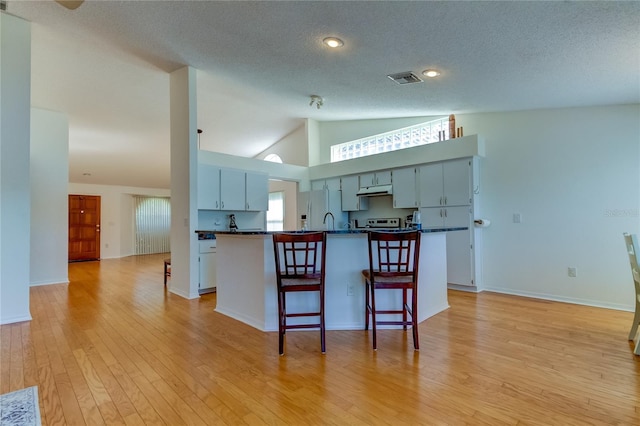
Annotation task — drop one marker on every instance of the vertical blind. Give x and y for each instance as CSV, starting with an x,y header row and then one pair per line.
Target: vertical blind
x,y
152,224
275,214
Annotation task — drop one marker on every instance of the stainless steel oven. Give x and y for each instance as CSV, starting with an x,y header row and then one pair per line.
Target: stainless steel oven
x,y
382,223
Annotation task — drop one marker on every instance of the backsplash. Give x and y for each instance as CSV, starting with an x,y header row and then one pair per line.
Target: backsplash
x,y
213,220
381,207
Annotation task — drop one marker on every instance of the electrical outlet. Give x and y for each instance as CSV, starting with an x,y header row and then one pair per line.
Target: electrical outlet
x,y
349,289
572,271
517,218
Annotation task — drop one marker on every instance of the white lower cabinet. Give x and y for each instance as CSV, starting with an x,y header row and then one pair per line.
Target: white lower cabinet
x,y
460,258
440,217
207,266
460,245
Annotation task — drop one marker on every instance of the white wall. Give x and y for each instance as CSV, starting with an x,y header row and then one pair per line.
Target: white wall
x,y
15,200
49,205
274,170
116,215
184,164
574,175
314,150
293,148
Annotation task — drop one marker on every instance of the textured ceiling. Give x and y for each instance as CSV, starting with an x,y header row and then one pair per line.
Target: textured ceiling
x,y
106,65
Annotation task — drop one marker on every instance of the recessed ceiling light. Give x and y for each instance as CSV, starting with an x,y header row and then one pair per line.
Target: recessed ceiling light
x,y
333,42
431,73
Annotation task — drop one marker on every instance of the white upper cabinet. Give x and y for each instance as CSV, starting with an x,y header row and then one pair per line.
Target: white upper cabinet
x,y
376,178
257,191
350,199
431,187
445,184
232,189
457,182
332,184
405,193
208,187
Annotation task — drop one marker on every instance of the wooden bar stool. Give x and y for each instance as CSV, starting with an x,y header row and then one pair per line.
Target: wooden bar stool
x,y
167,270
393,265
299,267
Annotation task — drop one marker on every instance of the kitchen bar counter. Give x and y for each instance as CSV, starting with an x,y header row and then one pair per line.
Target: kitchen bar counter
x,y
246,279
209,234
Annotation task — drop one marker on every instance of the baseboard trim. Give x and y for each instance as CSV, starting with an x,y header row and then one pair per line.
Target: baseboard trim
x,y
22,318
467,288
60,281
554,298
184,295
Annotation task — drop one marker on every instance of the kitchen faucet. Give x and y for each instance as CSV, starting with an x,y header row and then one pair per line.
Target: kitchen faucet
x,y
333,220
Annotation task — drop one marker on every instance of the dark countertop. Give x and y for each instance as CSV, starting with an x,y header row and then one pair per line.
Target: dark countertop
x,y
210,234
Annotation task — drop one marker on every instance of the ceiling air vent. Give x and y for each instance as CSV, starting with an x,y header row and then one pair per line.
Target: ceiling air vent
x,y
405,78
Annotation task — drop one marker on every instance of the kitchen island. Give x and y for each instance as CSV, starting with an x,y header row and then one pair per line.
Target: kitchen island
x,y
246,279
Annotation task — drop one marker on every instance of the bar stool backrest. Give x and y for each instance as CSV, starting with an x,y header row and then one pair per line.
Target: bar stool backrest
x,y
394,253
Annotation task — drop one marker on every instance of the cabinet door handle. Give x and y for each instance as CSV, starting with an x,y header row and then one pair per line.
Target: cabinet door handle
x,y
440,200
445,212
222,204
217,204
440,212
445,201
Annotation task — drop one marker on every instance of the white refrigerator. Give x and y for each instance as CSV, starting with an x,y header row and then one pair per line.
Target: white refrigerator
x,y
314,205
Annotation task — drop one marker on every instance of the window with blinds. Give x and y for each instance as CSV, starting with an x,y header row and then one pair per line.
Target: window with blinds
x,y
152,224
275,214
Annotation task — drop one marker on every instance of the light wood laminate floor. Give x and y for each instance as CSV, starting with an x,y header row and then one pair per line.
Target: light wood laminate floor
x,y
113,347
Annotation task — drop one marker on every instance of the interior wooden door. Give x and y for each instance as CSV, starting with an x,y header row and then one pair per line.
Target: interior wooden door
x,y
84,227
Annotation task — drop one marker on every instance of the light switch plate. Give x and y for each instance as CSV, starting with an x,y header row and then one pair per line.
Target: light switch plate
x,y
517,218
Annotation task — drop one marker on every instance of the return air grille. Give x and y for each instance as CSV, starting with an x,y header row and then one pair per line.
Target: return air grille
x,y
405,78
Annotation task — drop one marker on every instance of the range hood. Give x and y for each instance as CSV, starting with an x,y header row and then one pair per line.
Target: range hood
x,y
375,191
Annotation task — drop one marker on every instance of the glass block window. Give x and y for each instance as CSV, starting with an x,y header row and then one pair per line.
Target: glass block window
x,y
420,134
